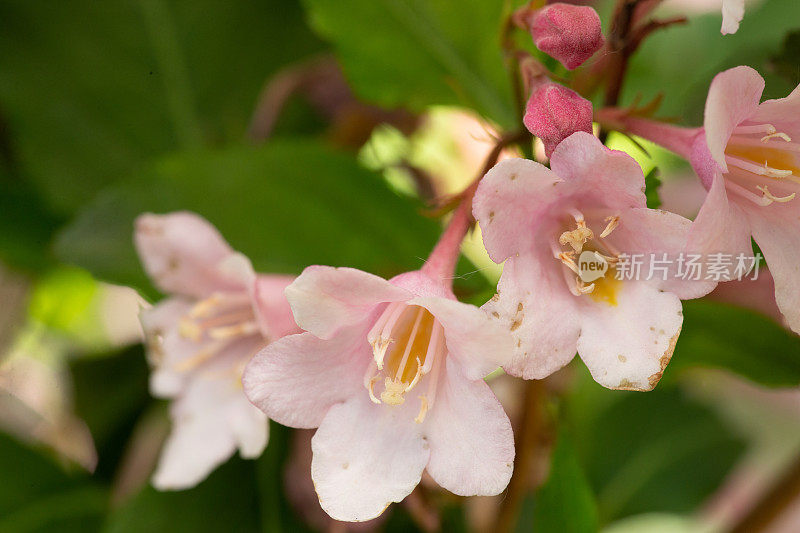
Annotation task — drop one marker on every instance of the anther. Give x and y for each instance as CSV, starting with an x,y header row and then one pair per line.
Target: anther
x,y
613,222
772,198
423,409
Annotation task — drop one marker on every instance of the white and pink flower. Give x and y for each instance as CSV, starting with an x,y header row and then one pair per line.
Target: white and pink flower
x,y
538,221
391,372
219,313
747,157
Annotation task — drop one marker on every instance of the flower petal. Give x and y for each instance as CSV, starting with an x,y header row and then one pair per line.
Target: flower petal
x,y
628,345
181,252
783,113
249,426
366,456
534,303
653,232
472,444
165,346
271,306
474,338
777,231
732,98
200,440
720,226
612,177
325,299
732,15
296,379
508,202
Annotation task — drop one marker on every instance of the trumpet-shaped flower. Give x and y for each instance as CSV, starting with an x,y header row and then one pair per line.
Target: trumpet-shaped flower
x,y
747,156
541,222
391,372
219,314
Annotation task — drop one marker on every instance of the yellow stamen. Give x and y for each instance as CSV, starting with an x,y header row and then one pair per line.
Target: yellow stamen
x,y
772,198
613,222
423,410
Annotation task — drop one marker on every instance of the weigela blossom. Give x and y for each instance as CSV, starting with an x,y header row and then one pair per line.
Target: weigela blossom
x,y
554,112
571,34
732,15
218,315
539,221
747,158
391,372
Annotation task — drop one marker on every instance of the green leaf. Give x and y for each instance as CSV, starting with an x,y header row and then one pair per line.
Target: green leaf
x,y
91,90
25,223
739,340
653,452
565,502
226,501
787,63
110,393
418,53
286,205
36,495
651,185
681,60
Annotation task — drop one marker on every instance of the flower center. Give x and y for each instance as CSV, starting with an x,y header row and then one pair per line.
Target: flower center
x,y
408,343
570,248
769,159
214,323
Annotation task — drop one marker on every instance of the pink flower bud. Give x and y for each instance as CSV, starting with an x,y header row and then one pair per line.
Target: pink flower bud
x,y
554,113
568,33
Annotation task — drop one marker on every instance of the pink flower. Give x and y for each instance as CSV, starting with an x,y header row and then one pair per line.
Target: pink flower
x,y
732,15
554,113
748,160
392,374
539,221
219,314
570,34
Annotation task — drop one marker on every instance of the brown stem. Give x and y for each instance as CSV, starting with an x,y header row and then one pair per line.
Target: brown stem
x,y
773,503
526,443
442,260
618,50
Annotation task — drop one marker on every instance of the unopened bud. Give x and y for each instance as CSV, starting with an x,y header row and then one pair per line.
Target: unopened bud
x,y
554,113
571,34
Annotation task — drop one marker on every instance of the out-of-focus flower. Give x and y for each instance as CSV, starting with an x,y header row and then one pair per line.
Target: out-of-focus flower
x,y
748,160
391,372
554,113
732,15
540,222
219,314
569,33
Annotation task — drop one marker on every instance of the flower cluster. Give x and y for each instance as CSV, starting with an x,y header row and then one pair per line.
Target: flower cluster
x,y
391,373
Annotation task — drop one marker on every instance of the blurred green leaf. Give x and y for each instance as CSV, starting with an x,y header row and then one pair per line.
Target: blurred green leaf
x,y
38,496
110,394
787,62
740,340
651,185
286,205
418,53
565,502
92,90
653,452
226,501
681,60
25,223
62,297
